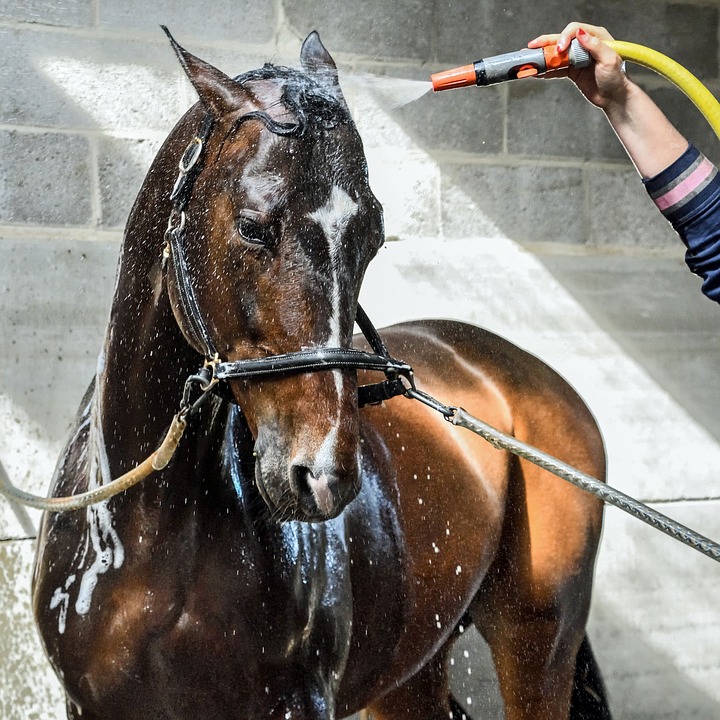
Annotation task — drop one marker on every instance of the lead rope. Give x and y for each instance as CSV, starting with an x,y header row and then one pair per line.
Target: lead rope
x,y
154,462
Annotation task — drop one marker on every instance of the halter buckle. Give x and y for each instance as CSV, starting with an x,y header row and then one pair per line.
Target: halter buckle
x,y
190,156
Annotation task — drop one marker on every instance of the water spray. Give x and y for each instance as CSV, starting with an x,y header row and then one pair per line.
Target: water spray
x,y
524,63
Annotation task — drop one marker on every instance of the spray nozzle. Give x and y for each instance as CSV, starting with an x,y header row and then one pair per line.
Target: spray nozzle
x,y
511,66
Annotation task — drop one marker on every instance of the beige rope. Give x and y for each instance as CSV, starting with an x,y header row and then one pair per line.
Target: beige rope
x,y
157,461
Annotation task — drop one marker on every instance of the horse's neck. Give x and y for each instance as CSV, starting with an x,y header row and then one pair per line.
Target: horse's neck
x,y
145,358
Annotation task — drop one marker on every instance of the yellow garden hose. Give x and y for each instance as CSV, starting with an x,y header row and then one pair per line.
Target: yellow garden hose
x,y
703,99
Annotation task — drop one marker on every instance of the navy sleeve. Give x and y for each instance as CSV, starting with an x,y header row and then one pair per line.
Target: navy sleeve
x,y
688,195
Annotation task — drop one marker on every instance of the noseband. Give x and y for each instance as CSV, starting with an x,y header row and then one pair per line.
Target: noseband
x,y
215,372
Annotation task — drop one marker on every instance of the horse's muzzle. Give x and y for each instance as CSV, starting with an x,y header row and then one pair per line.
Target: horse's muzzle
x,y
305,489
322,496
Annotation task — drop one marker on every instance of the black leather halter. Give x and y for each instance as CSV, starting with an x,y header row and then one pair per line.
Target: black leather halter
x,y
215,370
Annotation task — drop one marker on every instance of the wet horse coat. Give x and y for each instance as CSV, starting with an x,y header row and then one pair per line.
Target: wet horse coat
x,y
302,558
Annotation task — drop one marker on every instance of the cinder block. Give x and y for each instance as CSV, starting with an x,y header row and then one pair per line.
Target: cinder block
x,y
470,121
656,632
44,179
28,95
691,37
687,119
621,213
666,324
407,184
527,203
58,319
122,166
56,80
29,686
465,32
684,31
551,118
400,29
61,319
248,21
69,13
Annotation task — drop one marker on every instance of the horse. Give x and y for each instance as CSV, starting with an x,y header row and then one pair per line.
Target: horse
x,y
300,556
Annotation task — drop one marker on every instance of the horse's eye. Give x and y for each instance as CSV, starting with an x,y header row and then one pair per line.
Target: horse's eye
x,y
252,232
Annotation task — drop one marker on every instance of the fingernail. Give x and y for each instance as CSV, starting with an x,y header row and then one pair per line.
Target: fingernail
x,y
581,33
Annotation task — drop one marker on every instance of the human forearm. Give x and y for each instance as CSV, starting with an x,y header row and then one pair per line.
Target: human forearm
x,y
647,135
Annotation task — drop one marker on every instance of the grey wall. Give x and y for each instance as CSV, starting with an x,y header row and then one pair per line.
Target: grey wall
x,y
513,207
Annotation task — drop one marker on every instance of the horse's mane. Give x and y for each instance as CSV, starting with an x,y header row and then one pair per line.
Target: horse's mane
x,y
307,99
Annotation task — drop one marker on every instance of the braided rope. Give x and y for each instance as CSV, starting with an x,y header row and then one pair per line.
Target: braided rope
x,y
588,483
157,461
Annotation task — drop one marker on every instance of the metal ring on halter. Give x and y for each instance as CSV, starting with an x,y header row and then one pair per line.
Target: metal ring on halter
x,y
174,215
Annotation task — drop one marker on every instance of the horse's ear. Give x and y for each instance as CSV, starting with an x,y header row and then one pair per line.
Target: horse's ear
x,y
219,93
315,59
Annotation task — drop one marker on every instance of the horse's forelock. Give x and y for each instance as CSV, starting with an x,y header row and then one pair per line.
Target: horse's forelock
x,y
300,94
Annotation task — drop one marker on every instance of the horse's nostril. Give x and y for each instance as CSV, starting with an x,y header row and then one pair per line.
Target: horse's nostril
x,y
299,479
312,488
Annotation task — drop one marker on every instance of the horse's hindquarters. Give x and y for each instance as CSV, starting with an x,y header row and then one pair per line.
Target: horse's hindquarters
x,y
476,522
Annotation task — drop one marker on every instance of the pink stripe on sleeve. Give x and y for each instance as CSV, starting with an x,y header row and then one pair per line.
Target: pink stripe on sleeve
x,y
690,183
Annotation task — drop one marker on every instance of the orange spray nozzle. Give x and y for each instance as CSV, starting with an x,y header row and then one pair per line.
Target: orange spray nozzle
x,y
457,77
510,66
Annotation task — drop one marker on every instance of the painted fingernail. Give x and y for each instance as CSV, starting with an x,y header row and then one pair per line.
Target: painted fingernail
x,y
581,32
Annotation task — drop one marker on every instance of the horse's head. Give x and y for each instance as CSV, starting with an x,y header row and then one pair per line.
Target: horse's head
x,y
280,224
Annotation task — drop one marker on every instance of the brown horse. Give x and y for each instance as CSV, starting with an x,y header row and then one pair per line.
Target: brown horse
x,y
301,557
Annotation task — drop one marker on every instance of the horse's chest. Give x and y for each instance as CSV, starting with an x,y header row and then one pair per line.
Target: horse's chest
x,y
266,606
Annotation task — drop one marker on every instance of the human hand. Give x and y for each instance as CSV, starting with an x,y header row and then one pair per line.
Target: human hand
x,y
604,82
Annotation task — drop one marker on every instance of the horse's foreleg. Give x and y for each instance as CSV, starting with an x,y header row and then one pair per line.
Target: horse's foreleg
x,y
425,695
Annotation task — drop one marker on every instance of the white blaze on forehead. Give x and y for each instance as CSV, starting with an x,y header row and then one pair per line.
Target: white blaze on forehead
x,y
333,217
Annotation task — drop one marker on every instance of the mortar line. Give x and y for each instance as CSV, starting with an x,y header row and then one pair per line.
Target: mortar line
x,y
53,234
86,132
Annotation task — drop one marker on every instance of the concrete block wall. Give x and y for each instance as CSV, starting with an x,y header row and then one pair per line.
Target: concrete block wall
x,y
90,88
